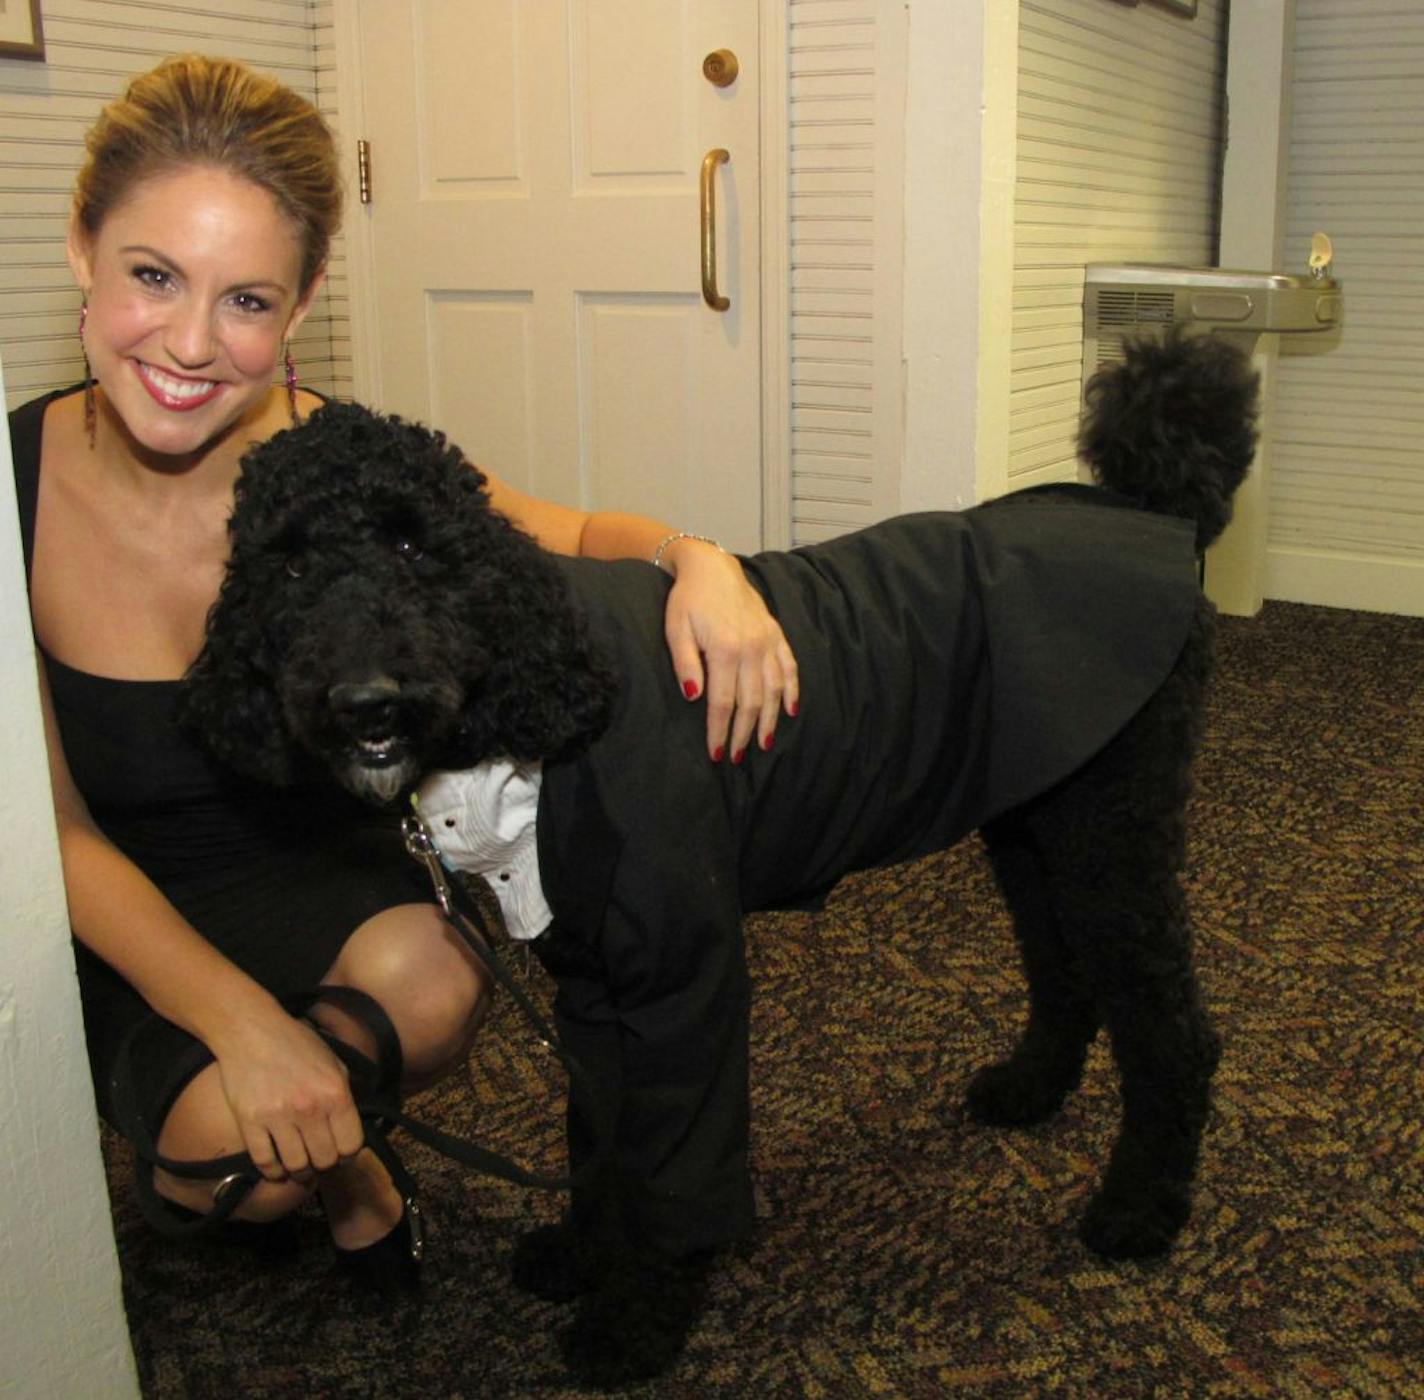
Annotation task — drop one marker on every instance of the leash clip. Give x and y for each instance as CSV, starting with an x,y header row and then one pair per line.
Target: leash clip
x,y
421,844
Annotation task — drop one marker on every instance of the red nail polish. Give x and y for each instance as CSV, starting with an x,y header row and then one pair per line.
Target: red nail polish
x,y
717,754
768,741
689,689
739,755
795,709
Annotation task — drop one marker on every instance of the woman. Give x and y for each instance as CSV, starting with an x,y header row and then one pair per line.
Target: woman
x,y
199,238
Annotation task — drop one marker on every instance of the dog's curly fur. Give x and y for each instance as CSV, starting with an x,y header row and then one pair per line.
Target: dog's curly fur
x,y
1173,428
335,520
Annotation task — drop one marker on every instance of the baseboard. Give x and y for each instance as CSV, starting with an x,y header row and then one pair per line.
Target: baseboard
x,y
1337,580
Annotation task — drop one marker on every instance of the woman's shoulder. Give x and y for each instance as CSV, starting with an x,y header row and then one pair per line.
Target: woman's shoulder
x,y
26,436
27,422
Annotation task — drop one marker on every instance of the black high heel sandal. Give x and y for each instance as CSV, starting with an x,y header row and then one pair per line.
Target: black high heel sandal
x,y
391,1265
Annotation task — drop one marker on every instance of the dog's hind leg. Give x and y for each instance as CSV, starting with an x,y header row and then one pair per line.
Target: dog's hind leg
x,y
1047,1063
1166,1053
1112,841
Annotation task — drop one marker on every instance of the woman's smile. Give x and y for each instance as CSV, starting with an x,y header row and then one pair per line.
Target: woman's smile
x,y
182,395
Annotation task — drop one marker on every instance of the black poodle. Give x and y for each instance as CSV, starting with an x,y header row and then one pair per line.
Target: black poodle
x,y
1032,668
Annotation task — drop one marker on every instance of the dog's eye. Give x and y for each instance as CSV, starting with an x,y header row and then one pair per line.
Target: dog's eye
x,y
409,551
296,565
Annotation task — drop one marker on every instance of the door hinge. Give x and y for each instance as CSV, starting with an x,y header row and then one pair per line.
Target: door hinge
x,y
363,171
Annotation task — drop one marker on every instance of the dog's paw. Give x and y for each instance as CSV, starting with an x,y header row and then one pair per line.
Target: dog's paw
x,y
555,1263
1013,1094
636,1323
1136,1226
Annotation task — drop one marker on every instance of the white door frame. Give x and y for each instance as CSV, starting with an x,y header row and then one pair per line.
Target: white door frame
x,y
774,258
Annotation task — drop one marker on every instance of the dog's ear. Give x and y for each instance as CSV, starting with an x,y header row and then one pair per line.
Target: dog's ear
x,y
562,699
228,698
539,693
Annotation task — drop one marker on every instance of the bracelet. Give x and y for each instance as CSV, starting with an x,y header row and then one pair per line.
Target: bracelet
x,y
673,538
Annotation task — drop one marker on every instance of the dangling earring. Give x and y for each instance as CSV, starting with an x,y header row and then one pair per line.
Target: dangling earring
x,y
291,369
91,415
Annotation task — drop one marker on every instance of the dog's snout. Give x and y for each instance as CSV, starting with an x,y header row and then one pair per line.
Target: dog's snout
x,y
365,701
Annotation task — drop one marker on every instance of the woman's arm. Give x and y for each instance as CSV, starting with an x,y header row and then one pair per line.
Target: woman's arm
x,y
719,633
288,1093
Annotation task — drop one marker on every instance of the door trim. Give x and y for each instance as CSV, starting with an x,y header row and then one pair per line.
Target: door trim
x,y
775,262
350,122
774,254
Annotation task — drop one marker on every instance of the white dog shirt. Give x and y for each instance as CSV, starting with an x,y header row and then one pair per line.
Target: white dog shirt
x,y
483,820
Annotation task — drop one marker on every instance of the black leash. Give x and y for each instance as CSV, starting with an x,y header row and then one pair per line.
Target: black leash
x,y
470,906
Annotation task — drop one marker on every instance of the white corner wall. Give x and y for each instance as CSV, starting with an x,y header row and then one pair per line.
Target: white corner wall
x,y
62,1326
960,104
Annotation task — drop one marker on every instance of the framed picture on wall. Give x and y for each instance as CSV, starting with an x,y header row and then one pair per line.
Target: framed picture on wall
x,y
1180,7
21,30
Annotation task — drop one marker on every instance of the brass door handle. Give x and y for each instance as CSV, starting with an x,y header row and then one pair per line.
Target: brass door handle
x,y
710,295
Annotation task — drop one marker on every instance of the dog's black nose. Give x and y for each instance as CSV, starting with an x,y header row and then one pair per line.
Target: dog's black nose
x,y
369,702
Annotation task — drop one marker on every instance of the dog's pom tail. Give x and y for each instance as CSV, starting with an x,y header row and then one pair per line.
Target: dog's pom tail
x,y
1173,427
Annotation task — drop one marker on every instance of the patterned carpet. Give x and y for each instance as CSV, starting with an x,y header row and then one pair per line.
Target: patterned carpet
x,y
905,1252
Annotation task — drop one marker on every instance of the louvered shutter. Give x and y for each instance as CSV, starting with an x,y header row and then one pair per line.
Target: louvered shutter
x,y
1119,149
1346,524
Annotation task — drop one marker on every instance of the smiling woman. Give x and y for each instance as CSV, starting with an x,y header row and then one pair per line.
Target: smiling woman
x,y
198,238
193,284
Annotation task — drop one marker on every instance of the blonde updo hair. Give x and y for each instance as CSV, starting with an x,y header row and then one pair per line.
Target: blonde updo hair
x,y
193,110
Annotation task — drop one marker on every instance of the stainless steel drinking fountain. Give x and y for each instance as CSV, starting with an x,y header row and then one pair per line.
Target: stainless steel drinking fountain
x,y
1132,299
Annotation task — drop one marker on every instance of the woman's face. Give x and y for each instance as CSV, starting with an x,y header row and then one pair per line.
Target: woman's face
x,y
192,285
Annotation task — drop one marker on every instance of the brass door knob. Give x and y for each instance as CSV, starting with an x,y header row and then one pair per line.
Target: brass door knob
x,y
720,68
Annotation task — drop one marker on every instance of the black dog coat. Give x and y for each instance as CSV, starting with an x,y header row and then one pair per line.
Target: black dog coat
x,y
953,667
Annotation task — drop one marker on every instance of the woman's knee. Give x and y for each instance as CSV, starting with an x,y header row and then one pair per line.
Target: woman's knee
x,y
429,983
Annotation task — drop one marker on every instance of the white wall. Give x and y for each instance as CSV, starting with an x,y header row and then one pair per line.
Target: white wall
x,y
62,1328
959,192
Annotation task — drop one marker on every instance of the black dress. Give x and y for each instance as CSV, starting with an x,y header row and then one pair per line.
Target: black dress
x,y
278,881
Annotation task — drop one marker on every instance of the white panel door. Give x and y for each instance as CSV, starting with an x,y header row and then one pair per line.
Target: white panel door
x,y
536,246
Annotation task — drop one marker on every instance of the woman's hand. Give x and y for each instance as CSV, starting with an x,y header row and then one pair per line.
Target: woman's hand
x,y
290,1096
725,643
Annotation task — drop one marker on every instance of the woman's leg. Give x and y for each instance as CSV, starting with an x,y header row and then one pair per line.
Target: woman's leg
x,y
436,993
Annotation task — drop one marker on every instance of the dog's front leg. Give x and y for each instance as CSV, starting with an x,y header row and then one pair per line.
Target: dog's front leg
x,y
658,1131
635,1323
